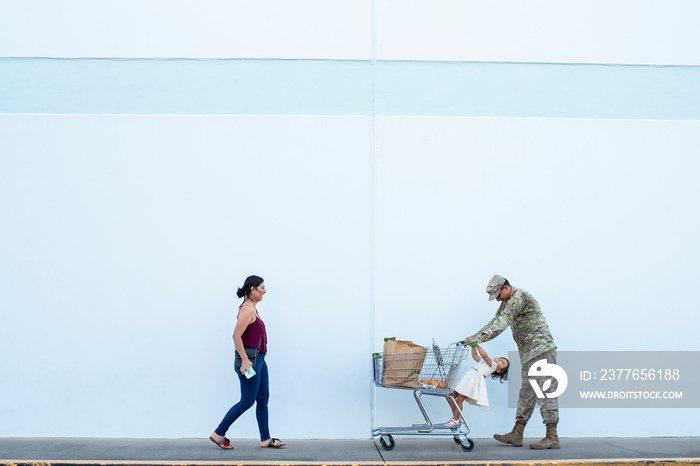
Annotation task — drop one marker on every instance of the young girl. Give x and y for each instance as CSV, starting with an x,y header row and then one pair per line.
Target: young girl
x,y
472,385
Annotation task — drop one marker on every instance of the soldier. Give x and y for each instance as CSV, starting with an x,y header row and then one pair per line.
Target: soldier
x,y
523,314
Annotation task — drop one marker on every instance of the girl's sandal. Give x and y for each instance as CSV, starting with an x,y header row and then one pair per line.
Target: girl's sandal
x,y
223,443
452,423
274,443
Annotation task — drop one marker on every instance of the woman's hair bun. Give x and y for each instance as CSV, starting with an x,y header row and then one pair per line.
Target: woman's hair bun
x,y
251,282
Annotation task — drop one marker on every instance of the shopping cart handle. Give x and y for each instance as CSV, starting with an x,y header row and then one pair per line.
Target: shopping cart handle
x,y
471,343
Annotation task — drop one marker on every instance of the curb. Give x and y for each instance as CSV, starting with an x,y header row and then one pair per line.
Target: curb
x,y
565,462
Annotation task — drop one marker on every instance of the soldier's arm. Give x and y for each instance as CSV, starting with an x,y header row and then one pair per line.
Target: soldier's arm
x,y
498,324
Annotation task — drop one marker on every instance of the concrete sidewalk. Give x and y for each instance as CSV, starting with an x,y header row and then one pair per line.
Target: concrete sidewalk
x,y
417,451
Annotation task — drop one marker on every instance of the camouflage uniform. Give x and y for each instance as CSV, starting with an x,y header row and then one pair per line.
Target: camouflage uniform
x,y
522,313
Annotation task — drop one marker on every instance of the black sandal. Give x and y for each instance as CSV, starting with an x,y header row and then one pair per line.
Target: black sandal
x,y
274,443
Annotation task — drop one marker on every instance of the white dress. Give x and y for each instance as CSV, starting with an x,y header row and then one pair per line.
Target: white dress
x,y
473,384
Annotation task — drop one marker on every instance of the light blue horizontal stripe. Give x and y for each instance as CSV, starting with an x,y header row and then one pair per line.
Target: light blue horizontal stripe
x,y
539,90
340,87
182,86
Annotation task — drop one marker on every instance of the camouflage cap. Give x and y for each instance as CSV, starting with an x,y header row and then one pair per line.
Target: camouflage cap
x,y
494,286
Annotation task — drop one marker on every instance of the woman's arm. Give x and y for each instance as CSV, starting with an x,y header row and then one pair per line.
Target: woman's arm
x,y
246,316
484,355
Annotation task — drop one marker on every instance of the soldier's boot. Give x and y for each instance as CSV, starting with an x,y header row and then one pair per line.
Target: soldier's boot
x,y
514,437
551,439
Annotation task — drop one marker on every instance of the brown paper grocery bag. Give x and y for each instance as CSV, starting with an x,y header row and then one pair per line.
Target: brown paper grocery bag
x,y
402,363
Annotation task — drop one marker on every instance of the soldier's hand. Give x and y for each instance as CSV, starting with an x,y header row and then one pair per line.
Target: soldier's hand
x,y
469,339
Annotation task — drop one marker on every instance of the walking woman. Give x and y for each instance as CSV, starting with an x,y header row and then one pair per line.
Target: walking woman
x,y
250,334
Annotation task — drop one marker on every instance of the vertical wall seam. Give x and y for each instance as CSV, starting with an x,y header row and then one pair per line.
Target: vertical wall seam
x,y
373,196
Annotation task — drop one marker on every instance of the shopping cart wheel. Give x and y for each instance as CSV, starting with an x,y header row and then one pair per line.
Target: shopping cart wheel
x,y
466,444
387,442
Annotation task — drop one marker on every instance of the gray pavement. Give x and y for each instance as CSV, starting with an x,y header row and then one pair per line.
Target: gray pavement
x,y
685,450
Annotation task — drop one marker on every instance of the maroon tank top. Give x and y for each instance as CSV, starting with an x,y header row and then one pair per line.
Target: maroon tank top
x,y
255,336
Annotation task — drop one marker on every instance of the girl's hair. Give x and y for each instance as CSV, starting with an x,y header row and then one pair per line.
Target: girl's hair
x,y
501,376
251,282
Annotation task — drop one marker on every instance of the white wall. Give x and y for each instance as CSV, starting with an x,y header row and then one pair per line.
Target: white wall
x,y
594,217
186,28
129,235
652,32
125,237
616,32
124,242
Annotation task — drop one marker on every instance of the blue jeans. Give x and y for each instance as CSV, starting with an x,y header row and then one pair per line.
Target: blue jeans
x,y
253,390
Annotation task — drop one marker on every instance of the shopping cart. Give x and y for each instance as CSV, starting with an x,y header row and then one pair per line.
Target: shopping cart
x,y
432,373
